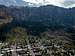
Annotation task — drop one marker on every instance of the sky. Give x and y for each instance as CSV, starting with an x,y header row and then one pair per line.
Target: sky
x,y
62,3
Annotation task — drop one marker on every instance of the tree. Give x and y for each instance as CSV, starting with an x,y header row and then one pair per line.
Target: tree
x,y
17,35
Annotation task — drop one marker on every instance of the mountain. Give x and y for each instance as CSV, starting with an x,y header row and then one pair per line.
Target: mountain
x,y
46,15
53,14
35,18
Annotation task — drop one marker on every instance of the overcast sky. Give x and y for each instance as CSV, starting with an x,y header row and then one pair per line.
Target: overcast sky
x,y
63,3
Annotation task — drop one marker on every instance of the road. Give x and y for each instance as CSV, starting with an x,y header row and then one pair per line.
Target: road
x,y
31,51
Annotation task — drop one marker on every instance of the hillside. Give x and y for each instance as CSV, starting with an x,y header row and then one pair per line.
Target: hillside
x,y
36,18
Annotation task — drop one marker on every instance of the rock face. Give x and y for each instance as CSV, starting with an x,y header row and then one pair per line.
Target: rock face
x,y
4,18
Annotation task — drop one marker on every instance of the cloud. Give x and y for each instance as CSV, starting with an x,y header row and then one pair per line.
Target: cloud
x,y
62,3
69,3
44,2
